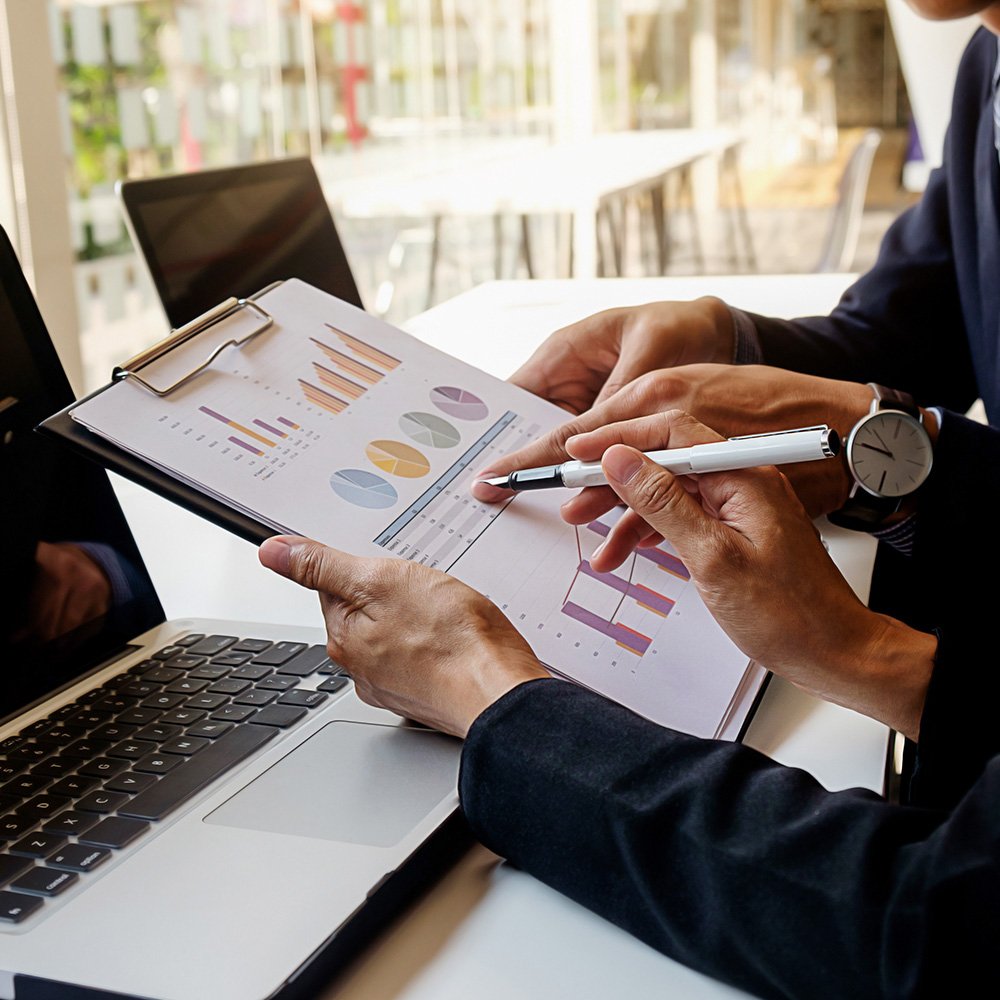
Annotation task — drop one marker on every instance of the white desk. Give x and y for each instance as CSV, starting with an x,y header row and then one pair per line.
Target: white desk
x,y
527,178
488,930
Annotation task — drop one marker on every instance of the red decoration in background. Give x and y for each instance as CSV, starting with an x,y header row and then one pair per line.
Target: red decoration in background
x,y
352,73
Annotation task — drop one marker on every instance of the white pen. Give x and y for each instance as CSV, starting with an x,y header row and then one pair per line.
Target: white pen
x,y
802,444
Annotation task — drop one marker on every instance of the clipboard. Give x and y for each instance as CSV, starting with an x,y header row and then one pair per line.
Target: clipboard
x,y
97,449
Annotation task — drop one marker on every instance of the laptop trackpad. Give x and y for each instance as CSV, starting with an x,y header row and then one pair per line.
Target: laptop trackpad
x,y
351,781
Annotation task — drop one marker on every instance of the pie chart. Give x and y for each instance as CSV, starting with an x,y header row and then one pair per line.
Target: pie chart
x,y
363,489
425,428
398,459
458,403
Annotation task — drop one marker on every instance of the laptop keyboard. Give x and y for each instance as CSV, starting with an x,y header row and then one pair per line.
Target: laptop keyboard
x,y
97,774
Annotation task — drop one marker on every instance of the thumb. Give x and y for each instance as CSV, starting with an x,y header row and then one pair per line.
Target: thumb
x,y
312,565
658,498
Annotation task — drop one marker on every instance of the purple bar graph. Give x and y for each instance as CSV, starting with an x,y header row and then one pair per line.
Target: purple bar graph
x,y
634,642
664,560
643,595
269,428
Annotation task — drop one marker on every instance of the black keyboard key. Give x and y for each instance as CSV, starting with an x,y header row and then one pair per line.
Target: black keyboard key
x,y
71,823
277,683
157,763
113,731
87,698
282,652
251,672
206,702
130,782
11,768
161,675
55,767
139,689
183,716
89,718
231,659
213,644
41,807
62,713
102,802
210,729
26,784
304,699
307,662
44,881
190,640
78,858
234,713
12,867
38,845
333,684
73,786
138,716
132,749
163,701
30,752
141,668
103,767
14,826
281,716
114,832
209,672
86,749
114,704
328,668
186,746
229,686
158,732
63,735
168,651
11,743
187,686
251,646
186,661
15,906
255,698
199,772
37,728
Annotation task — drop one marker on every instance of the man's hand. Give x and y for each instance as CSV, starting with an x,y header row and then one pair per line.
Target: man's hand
x,y
748,399
761,569
588,361
414,640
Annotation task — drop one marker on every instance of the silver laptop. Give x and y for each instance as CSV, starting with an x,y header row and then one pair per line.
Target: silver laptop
x,y
188,809
231,231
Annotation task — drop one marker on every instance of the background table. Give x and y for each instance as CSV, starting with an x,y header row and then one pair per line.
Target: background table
x,y
486,929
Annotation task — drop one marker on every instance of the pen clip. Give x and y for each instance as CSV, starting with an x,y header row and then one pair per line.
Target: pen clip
x,y
770,434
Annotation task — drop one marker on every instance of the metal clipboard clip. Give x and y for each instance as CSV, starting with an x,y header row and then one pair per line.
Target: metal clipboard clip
x,y
184,333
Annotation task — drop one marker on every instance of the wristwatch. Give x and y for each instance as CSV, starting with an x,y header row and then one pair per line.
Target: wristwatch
x,y
889,454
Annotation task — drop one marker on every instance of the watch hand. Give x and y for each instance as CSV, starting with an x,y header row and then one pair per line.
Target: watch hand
x,y
871,447
881,442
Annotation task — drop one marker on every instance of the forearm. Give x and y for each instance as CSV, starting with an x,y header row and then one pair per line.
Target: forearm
x,y
726,861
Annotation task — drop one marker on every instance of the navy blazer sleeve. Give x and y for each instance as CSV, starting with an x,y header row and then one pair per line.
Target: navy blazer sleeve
x,y
924,318
749,870
730,863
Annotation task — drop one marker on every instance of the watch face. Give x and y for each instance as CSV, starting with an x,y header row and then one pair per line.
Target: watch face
x,y
889,453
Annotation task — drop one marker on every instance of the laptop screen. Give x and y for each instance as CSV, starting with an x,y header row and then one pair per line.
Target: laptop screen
x,y
219,233
76,586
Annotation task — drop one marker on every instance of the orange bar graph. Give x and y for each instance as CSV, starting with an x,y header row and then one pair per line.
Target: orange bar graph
x,y
348,364
324,400
334,381
366,351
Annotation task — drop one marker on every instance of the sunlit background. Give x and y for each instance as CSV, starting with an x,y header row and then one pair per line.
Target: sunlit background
x,y
765,127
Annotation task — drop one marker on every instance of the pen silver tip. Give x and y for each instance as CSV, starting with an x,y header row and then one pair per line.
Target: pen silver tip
x,y
500,481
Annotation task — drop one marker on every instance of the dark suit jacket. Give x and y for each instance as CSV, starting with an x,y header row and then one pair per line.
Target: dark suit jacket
x,y
736,865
